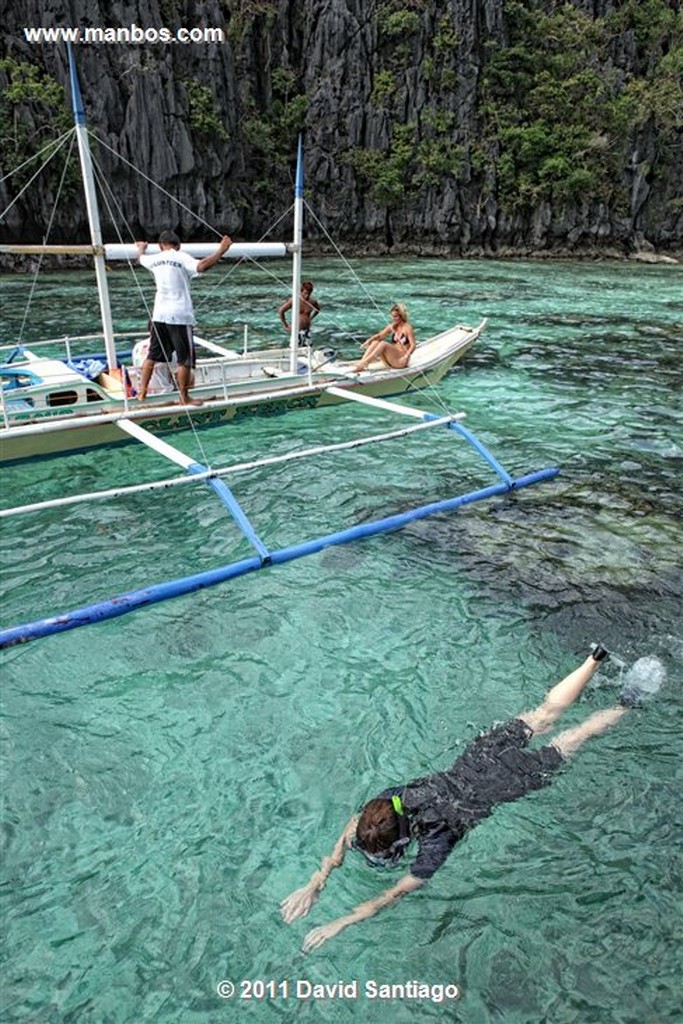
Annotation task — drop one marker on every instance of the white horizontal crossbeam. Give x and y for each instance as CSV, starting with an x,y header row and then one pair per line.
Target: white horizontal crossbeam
x,y
139,433
115,251
238,467
377,403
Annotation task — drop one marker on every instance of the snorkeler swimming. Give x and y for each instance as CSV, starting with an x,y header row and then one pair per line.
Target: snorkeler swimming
x,y
440,809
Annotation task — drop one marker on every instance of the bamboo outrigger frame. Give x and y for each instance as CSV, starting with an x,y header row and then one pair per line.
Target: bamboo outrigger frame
x,y
264,557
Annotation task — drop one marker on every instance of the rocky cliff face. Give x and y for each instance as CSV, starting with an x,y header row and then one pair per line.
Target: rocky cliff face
x,y
423,121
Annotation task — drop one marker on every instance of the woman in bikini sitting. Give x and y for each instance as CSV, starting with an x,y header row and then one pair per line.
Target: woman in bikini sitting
x,y
394,345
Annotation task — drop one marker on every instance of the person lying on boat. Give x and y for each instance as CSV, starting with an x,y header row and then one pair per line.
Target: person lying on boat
x,y
394,344
308,311
173,314
440,809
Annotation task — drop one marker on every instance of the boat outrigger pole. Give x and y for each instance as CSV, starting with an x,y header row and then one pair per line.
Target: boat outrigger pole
x,y
93,211
265,557
296,261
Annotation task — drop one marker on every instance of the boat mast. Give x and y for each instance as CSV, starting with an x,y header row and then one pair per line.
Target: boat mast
x,y
93,212
296,262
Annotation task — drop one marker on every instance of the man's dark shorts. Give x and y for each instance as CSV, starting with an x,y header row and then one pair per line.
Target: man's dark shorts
x,y
495,768
498,767
167,339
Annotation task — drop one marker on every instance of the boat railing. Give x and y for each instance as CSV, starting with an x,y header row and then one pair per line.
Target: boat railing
x,y
67,341
70,344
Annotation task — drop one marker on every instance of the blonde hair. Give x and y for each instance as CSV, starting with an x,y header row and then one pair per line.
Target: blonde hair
x,y
402,310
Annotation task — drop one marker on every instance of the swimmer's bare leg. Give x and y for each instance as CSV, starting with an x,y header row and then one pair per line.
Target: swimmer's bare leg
x,y
561,696
571,739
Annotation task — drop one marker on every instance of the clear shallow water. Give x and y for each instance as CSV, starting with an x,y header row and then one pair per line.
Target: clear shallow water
x,y
170,776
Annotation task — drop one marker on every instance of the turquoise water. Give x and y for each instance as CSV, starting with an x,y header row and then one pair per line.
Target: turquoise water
x,y
170,776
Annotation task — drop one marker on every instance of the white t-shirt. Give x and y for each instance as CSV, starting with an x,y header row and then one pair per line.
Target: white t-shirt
x,y
173,270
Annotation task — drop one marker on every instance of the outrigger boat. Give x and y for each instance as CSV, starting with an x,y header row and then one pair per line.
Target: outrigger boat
x,y
73,413
49,407
54,406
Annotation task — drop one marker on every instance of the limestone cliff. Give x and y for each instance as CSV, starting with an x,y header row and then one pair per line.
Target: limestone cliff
x,y
461,126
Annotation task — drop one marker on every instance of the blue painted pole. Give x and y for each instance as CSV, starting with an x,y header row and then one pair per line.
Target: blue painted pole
x,y
125,603
483,451
299,181
76,98
477,445
234,508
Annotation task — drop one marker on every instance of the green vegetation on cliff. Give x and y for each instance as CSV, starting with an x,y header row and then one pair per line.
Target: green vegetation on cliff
x,y
561,100
560,113
42,102
203,114
505,123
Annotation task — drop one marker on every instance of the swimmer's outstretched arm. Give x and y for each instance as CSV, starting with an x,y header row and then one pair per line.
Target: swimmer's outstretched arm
x,y
317,936
301,901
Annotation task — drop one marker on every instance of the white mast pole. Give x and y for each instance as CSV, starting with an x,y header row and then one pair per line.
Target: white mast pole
x,y
93,211
296,262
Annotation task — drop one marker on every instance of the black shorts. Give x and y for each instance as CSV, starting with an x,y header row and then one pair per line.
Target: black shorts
x,y
498,768
495,768
169,339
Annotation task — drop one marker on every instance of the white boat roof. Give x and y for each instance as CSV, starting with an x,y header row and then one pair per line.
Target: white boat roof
x,y
50,371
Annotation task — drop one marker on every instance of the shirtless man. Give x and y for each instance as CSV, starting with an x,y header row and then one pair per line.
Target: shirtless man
x,y
308,310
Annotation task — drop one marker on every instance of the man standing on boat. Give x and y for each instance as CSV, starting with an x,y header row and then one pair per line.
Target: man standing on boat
x,y
173,315
308,310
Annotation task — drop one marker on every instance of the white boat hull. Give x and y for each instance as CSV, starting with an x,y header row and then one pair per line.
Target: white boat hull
x,y
228,389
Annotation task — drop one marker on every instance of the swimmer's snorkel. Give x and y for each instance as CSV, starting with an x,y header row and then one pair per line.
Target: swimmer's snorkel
x,y
391,857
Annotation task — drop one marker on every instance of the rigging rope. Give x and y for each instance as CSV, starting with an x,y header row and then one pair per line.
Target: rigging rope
x,y
39,264
169,195
247,259
57,143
